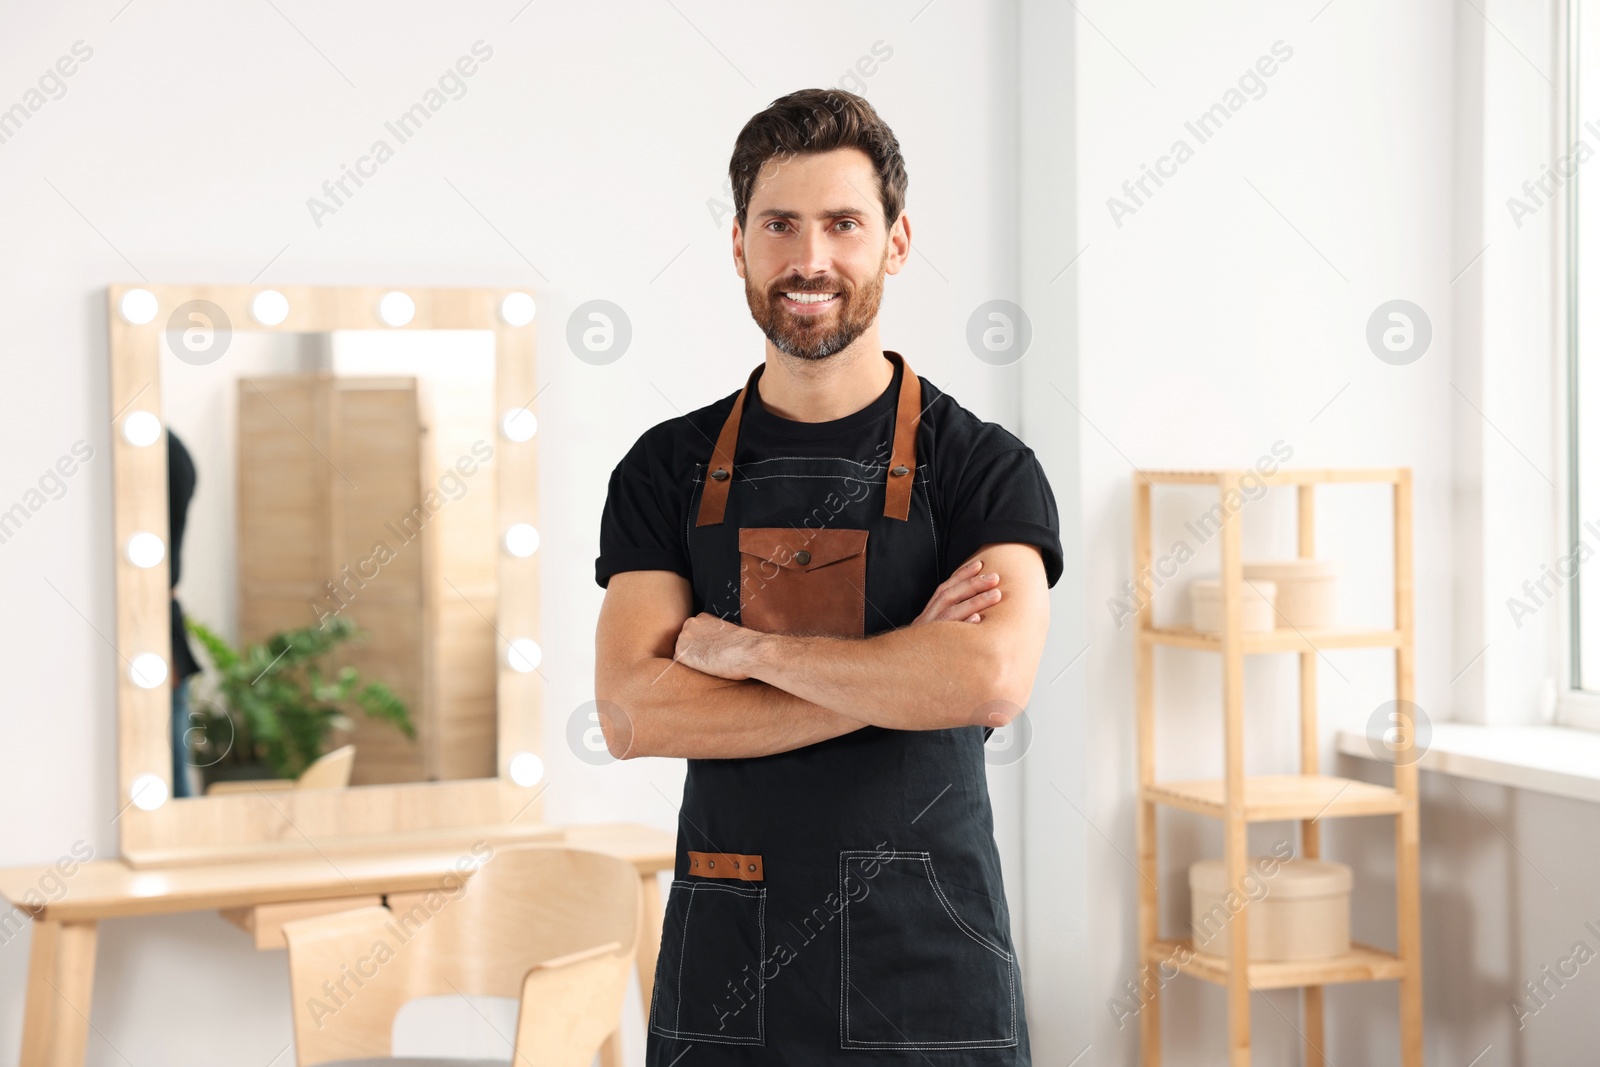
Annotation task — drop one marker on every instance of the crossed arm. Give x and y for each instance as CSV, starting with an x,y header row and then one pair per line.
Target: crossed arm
x,y
668,684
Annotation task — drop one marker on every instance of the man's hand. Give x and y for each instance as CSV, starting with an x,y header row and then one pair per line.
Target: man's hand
x,y
961,596
715,646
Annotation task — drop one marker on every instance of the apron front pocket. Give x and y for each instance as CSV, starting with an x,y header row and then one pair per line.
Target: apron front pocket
x,y
803,581
708,984
924,966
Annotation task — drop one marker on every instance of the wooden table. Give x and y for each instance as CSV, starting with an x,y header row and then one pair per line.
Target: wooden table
x,y
259,896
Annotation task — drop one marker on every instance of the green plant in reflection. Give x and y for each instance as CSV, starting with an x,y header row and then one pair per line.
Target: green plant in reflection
x,y
278,706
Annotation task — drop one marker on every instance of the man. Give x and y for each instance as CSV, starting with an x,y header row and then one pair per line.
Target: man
x,y
825,591
181,481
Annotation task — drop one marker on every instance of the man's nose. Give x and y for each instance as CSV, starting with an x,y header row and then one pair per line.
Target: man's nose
x,y
811,256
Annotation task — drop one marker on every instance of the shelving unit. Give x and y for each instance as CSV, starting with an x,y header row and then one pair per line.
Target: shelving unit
x,y
1306,797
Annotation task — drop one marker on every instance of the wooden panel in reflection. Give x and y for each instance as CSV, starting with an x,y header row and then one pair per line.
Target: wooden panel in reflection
x,y
379,523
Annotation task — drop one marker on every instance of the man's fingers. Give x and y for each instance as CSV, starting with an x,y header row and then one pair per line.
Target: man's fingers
x,y
959,597
986,599
962,573
967,610
976,589
961,585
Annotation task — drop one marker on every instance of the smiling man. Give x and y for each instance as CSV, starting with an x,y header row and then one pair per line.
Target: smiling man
x,y
825,591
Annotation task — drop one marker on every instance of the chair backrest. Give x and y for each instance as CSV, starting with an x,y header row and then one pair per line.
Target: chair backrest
x,y
329,771
349,973
570,1006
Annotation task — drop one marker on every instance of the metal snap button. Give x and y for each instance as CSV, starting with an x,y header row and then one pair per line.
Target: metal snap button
x,y
802,557
711,863
901,470
720,475
752,866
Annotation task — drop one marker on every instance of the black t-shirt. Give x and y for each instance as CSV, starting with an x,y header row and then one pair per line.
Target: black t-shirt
x,y
986,485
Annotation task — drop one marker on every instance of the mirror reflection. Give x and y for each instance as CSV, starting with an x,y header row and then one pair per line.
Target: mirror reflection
x,y
332,510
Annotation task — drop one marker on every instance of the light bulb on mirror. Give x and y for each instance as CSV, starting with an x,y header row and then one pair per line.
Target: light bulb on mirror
x,y
519,424
524,655
396,309
138,306
141,429
517,309
526,769
269,307
148,792
146,550
147,670
522,540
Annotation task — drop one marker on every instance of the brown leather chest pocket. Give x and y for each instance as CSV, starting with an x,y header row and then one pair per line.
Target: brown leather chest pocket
x,y
803,581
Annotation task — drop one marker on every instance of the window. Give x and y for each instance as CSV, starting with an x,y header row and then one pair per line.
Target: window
x,y
1579,695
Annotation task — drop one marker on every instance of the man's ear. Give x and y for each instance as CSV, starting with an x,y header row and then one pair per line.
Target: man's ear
x,y
899,245
738,248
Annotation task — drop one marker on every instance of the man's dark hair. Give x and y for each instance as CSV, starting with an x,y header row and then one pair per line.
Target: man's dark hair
x,y
811,121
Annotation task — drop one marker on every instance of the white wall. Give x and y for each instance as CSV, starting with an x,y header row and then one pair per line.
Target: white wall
x,y
586,160
1225,316
1227,313
1511,875
1057,841
200,407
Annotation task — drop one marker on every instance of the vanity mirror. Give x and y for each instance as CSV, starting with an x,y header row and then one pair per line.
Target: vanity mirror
x,y
326,499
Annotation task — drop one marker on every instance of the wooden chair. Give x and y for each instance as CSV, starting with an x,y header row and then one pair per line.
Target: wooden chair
x,y
329,771
554,927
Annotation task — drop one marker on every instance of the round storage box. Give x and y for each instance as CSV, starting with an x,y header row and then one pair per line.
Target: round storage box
x,y
1255,601
1298,911
1305,589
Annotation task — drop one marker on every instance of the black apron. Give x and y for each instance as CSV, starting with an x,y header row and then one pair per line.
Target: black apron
x,y
841,902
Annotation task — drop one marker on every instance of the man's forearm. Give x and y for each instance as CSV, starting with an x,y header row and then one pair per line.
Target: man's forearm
x,y
664,708
928,677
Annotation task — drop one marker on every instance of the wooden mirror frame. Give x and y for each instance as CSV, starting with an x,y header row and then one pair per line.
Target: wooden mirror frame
x,y
255,824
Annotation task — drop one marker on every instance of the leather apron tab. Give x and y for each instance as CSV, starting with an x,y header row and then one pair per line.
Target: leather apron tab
x,y
726,865
902,457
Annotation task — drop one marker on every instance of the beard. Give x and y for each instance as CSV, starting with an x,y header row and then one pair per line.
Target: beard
x,y
816,337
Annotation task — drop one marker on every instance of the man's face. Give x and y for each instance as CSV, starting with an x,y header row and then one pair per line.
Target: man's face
x,y
816,251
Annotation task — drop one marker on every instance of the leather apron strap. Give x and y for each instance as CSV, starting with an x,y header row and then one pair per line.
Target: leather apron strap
x,y
902,457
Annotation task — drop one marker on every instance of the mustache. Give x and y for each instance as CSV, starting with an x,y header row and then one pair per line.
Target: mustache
x,y
795,285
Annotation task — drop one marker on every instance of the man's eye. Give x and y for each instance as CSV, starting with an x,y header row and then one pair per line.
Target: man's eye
x,y
770,225
848,222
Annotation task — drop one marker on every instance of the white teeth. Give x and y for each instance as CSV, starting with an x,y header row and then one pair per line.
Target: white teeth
x,y
810,298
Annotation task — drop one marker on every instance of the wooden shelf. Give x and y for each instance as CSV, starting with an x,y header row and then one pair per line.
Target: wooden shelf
x,y
1236,799
1281,796
1362,963
1278,640
1282,476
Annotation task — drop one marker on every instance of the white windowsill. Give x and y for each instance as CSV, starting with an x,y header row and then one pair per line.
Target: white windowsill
x,y
1547,759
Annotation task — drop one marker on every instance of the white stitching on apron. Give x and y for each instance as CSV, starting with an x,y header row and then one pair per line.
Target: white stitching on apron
x,y
844,965
761,954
